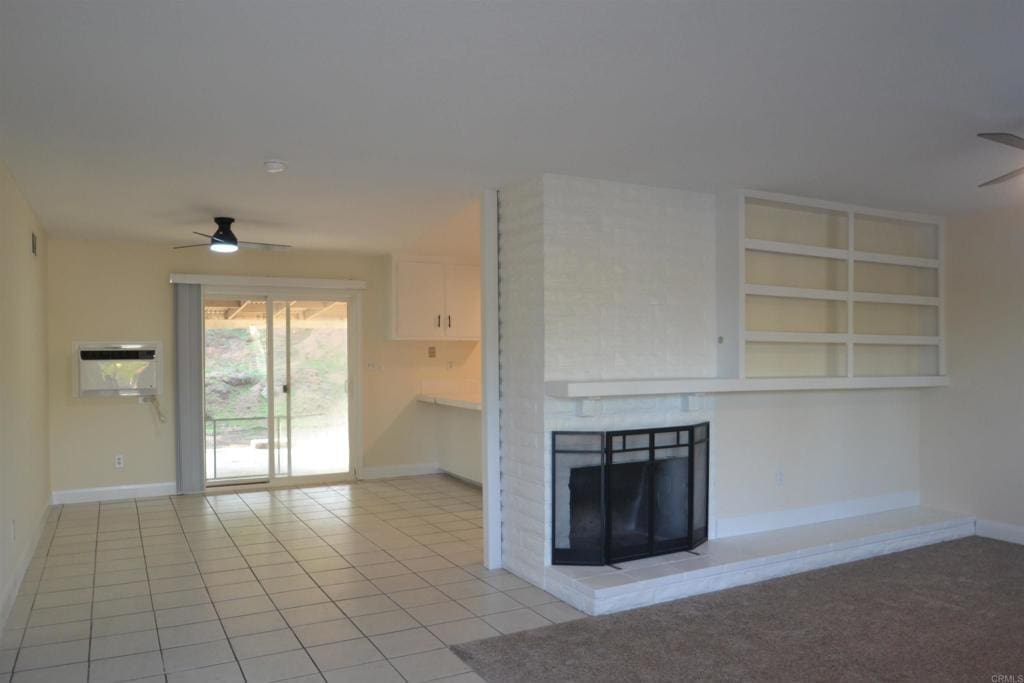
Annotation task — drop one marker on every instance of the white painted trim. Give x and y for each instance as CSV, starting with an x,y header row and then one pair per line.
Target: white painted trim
x,y
783,519
795,249
490,397
257,281
1001,531
165,488
392,471
709,385
875,297
843,207
797,292
9,591
355,385
896,260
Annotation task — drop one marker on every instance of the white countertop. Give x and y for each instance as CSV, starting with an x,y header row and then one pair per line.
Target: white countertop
x,y
465,401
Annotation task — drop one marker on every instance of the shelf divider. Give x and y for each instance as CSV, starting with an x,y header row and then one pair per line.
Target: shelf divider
x,y
797,292
795,249
895,260
879,298
896,340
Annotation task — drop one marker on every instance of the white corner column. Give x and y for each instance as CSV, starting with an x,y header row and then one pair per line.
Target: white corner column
x,y
489,376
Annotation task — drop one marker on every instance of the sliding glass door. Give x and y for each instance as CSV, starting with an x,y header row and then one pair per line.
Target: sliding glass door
x,y
276,388
311,387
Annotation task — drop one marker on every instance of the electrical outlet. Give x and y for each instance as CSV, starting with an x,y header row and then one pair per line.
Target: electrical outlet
x,y
431,352
780,477
119,461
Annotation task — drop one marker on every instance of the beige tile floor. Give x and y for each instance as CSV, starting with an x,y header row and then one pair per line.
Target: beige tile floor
x,y
367,581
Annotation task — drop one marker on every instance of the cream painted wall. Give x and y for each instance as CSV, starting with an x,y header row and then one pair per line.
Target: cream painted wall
x,y
107,291
972,432
830,446
24,465
451,438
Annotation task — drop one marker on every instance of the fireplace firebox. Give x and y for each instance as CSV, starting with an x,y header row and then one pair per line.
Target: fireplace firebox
x,y
624,495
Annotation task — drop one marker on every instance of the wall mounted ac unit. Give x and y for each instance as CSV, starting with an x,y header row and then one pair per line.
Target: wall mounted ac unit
x,y
118,368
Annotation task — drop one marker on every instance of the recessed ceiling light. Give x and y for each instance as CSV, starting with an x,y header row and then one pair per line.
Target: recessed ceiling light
x,y
274,166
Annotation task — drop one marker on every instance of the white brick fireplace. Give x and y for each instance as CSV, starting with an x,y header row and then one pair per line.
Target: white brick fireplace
x,y
597,280
604,280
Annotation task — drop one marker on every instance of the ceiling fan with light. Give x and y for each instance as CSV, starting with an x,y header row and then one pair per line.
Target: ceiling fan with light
x,y
224,241
1012,140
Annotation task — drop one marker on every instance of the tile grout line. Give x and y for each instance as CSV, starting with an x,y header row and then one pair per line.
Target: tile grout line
x,y
35,595
145,567
287,623
298,521
202,578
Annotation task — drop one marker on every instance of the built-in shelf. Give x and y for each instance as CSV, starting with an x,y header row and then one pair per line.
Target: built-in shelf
x,y
798,292
897,299
612,388
895,260
796,249
838,254
841,338
817,294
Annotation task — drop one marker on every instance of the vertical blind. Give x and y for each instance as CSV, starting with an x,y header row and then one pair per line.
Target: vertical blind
x,y
188,372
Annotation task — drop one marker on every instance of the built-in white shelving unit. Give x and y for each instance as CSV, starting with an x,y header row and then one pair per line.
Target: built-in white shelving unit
x,y
813,289
815,295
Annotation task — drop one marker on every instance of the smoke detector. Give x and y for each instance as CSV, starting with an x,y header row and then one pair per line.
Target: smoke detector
x,y
274,166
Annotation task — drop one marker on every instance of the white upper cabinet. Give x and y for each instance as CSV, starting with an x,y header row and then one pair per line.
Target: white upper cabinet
x,y
419,300
435,300
462,302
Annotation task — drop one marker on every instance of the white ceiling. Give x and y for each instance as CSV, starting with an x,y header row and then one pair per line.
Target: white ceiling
x,y
143,118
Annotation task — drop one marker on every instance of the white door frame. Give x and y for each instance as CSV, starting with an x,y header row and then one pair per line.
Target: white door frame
x,y
490,378
348,291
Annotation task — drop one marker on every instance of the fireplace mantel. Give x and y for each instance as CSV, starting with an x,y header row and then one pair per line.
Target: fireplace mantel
x,y
661,386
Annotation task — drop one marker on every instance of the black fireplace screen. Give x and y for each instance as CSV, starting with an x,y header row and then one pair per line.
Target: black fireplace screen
x,y
629,494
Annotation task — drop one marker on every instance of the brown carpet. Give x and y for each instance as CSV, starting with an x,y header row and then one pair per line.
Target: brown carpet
x,y
947,612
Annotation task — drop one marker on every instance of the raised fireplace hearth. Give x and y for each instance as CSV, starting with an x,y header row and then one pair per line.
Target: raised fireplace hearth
x,y
624,495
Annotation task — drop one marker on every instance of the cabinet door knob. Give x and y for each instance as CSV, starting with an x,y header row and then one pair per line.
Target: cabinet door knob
x,y
449,321
439,321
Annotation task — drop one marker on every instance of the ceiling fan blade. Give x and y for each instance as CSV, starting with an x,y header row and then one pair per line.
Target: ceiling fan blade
x,y
1004,138
266,246
202,234
1003,178
190,246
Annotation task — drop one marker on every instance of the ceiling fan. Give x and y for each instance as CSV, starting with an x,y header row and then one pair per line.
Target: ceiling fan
x,y
224,241
1012,140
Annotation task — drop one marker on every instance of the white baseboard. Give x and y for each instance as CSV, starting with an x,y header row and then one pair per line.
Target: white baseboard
x,y
1001,531
783,519
9,591
164,488
465,480
392,471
